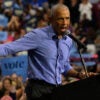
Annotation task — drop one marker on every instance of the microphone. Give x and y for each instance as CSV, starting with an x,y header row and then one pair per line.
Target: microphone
x,y
80,45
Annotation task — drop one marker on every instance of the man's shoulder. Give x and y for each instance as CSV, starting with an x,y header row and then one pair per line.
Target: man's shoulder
x,y
41,31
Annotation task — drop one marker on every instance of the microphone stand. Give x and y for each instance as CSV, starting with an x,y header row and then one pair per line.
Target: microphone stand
x,y
80,45
82,60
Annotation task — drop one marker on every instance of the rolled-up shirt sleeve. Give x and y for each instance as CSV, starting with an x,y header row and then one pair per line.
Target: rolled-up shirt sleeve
x,y
28,41
67,67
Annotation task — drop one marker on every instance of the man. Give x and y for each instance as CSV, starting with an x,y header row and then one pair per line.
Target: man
x,y
48,51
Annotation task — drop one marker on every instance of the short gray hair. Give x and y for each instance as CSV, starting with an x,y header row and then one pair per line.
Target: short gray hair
x,y
57,6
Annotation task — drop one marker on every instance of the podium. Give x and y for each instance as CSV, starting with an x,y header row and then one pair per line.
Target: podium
x,y
85,89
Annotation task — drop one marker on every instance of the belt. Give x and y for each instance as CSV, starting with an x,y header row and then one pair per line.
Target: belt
x,y
42,82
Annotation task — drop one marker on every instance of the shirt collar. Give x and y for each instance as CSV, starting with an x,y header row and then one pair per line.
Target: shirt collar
x,y
52,34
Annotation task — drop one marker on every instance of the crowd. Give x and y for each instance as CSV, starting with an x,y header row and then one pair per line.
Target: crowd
x,y
23,16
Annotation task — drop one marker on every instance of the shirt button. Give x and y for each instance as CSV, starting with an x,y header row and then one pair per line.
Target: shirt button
x,y
58,79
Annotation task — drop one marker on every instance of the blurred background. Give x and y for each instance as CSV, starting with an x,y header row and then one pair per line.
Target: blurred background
x,y
18,17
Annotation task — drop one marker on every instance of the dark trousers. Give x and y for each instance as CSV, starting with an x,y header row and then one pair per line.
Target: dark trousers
x,y
39,90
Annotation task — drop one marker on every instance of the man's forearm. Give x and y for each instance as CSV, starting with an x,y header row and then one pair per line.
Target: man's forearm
x,y
74,73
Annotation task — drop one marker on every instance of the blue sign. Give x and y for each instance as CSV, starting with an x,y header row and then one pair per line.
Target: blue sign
x,y
16,65
3,20
40,2
3,35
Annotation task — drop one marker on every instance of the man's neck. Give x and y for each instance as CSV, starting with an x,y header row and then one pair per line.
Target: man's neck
x,y
59,36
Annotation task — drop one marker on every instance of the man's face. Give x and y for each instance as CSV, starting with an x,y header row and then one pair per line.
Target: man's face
x,y
61,20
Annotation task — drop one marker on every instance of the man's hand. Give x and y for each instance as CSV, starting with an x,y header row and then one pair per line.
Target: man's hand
x,y
92,74
82,75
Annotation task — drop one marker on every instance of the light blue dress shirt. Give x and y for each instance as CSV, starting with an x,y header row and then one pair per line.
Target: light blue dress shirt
x,y
48,56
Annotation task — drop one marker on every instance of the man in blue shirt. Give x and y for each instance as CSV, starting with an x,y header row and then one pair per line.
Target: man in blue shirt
x,y
48,52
